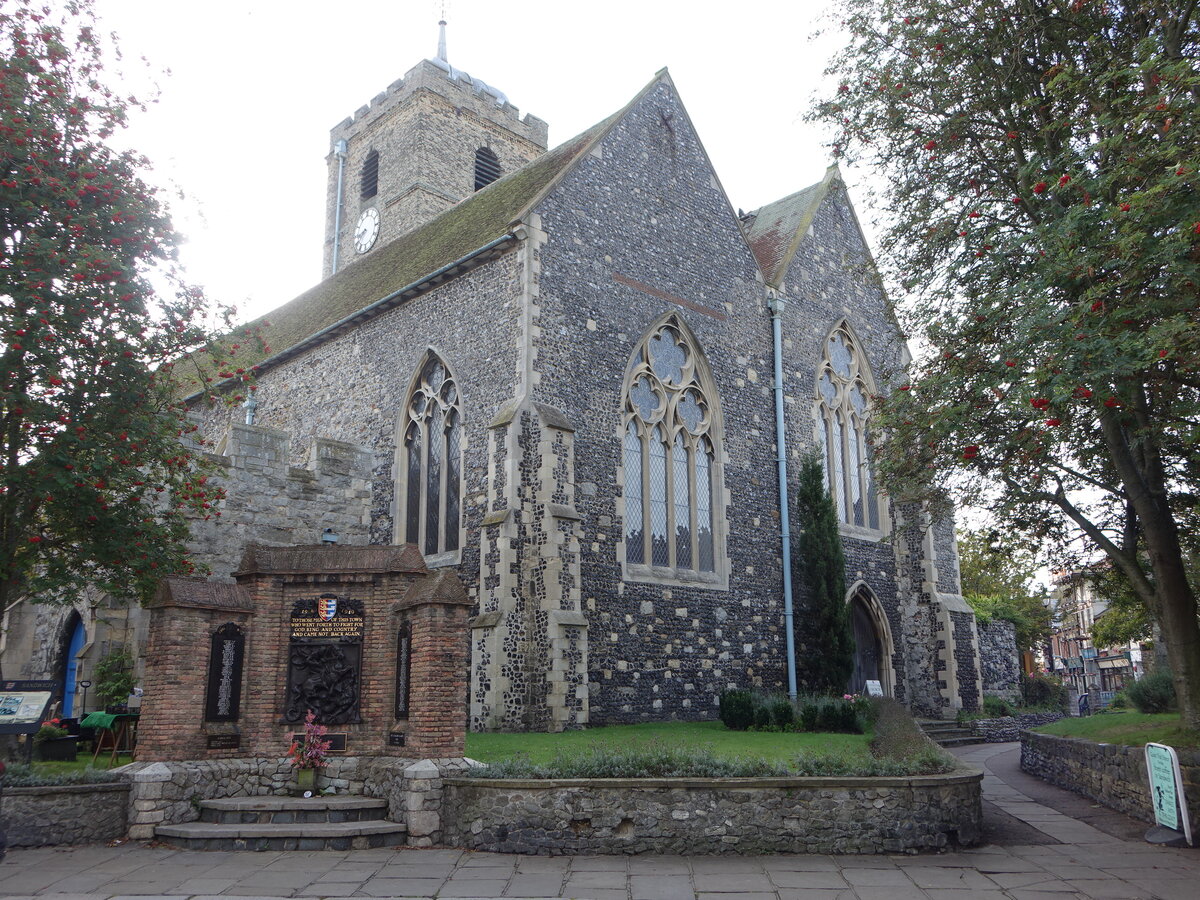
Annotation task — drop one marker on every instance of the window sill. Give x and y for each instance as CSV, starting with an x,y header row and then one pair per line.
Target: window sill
x,y
643,574
862,533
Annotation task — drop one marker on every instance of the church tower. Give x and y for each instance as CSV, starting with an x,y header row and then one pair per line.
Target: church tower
x,y
431,139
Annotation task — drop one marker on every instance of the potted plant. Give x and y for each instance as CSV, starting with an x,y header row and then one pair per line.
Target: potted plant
x,y
307,754
113,679
53,743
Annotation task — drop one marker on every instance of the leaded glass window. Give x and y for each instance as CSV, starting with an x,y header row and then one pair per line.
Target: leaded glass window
x,y
842,411
669,456
430,468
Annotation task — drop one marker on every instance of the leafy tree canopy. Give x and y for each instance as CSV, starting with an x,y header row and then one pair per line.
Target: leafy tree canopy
x,y
1040,166
999,580
95,485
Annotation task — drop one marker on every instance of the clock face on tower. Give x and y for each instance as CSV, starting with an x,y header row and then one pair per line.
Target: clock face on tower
x,y
367,230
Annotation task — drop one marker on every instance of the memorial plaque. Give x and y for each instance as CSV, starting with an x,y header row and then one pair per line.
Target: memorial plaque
x,y
403,668
396,739
226,655
224,741
336,739
325,660
327,618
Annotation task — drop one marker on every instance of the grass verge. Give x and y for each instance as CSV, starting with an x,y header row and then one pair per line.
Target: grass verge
x,y
1127,727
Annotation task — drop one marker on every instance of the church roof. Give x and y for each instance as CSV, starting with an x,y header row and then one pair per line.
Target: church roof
x,y
777,228
402,267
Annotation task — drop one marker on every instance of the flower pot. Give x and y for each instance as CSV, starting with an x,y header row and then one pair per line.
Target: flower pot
x,y
306,781
57,750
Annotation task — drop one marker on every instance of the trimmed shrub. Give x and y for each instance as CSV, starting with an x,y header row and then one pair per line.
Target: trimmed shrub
x,y
783,714
737,709
762,717
1154,693
651,760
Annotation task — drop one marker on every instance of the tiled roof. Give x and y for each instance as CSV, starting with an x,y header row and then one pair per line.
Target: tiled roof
x,y
778,227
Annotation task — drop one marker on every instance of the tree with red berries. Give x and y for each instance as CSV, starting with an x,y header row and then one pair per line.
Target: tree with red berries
x,y
1040,160
96,486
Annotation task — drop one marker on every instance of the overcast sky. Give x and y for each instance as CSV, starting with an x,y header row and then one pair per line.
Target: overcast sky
x,y
243,117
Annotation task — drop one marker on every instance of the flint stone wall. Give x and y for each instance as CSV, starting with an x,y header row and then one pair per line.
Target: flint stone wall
x,y
64,814
714,815
1111,774
999,659
1004,729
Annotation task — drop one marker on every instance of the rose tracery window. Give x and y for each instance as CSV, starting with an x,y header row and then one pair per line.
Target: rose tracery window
x,y
841,412
431,461
668,456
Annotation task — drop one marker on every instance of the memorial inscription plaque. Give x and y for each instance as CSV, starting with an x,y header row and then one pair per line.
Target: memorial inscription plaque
x,y
403,668
324,660
226,655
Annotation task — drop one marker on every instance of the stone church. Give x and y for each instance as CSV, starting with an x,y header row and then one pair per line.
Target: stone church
x,y
554,372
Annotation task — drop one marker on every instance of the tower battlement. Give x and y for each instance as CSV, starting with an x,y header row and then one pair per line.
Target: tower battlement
x,y
454,85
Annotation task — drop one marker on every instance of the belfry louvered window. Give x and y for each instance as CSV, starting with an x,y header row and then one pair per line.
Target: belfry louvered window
x,y
841,413
430,469
669,456
369,183
487,167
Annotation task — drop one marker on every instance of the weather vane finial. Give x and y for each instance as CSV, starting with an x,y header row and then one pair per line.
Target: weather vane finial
x,y
442,36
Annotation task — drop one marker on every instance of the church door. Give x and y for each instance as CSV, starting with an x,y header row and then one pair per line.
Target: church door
x,y
867,648
70,666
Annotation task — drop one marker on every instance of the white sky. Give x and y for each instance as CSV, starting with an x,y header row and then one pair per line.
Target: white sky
x,y
242,122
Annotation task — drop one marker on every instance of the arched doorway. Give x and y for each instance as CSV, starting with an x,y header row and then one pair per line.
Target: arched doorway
x,y
74,635
872,643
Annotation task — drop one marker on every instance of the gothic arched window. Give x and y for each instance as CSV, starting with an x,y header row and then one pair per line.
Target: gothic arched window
x,y
369,180
487,167
841,411
669,458
430,461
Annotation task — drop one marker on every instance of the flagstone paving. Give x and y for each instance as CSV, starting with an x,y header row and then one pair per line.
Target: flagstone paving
x,y
1041,844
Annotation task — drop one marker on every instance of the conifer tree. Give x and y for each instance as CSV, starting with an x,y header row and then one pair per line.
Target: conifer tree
x,y
1039,168
820,568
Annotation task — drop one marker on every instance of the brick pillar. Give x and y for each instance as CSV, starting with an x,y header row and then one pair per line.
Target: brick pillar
x,y
435,609
183,617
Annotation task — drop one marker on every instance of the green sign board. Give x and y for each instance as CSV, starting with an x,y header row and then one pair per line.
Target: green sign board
x,y
1166,789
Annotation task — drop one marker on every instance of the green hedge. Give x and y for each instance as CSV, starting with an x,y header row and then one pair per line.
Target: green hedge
x,y
742,710
23,775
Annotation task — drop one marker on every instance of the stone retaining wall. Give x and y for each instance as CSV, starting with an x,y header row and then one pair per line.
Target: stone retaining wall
x,y
1004,729
1111,774
64,814
714,815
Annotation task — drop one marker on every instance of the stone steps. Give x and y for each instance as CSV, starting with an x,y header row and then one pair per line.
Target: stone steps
x,y
948,733
291,810
287,823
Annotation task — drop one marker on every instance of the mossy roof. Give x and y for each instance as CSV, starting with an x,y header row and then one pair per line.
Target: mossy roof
x,y
779,227
469,225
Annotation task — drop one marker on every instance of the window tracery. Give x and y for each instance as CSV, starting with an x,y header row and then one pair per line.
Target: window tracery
x,y
430,470
669,457
842,430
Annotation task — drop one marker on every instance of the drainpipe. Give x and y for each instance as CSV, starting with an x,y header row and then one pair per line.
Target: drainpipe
x,y
339,150
776,303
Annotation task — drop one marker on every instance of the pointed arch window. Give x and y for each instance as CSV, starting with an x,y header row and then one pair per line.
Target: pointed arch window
x,y
487,167
669,458
842,414
430,465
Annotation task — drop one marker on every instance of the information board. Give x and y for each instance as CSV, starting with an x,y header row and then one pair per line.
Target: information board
x,y
874,689
23,705
1166,789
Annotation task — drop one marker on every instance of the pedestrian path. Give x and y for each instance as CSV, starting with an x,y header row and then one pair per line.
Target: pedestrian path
x,y
1036,851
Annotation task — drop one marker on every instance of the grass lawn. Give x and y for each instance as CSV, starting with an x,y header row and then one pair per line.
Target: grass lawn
x,y
82,761
711,736
1126,727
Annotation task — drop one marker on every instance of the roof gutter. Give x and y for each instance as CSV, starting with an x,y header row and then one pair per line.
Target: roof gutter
x,y
380,305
